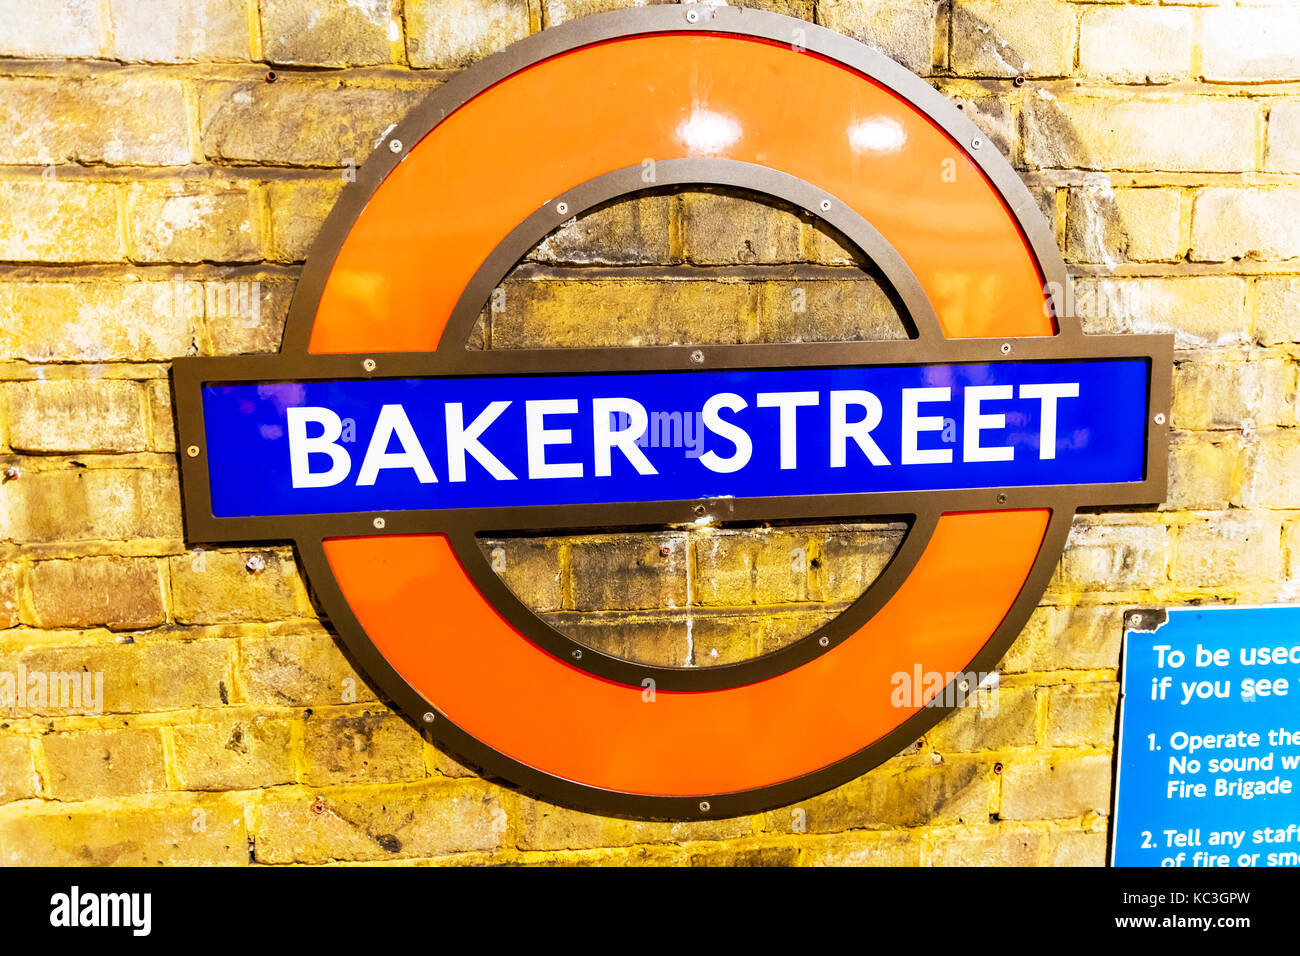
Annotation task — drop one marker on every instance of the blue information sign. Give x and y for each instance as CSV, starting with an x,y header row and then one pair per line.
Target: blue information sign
x,y
1209,742
481,441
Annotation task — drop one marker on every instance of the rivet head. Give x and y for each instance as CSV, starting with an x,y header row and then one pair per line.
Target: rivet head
x,y
192,451
976,143
824,641
1006,348
826,205
368,364
697,356
1002,499
705,807
428,717
562,208
395,145
577,655
380,522
1160,418
692,16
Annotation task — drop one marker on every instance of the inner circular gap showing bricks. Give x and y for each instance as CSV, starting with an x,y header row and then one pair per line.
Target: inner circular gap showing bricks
x,y
697,266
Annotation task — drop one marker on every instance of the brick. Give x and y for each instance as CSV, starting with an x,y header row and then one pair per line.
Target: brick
x,y
543,312
99,504
531,567
863,848
985,846
1205,472
630,232
298,210
1113,557
719,229
136,119
393,822
58,222
955,790
1200,311
1214,395
768,856
92,321
1055,787
243,754
77,415
760,567
1283,150
178,834
158,398
1231,551
561,11
1074,848
8,596
541,826
628,571
1147,134
172,222
1125,44
118,593
1055,638
192,30
297,122
222,587
1109,225
235,330
1273,471
1006,38
113,763
449,34
359,746
1246,223
17,772
903,30
353,34
49,28
690,638
1277,317
1081,715
973,727
141,677
1250,44
302,667
815,309
851,558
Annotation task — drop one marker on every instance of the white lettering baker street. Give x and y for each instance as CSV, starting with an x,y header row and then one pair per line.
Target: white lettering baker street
x,y
620,424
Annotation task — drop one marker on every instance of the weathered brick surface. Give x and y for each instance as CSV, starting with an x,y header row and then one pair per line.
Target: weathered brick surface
x,y
109,764
300,31
447,35
69,416
193,30
238,754
118,593
156,183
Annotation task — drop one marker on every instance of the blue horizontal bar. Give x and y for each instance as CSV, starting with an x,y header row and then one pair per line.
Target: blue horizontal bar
x,y
668,436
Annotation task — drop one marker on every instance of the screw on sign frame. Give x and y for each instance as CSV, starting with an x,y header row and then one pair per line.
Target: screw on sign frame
x,y
489,165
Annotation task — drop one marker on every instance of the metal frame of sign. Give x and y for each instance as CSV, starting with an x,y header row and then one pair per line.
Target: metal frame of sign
x,y
463,527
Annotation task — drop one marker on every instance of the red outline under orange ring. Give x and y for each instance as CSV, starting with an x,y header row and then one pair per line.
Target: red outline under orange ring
x,y
538,710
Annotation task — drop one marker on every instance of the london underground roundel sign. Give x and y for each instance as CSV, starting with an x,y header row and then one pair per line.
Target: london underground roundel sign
x,y
451,443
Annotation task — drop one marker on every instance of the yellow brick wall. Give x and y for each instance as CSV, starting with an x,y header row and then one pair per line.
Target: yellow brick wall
x,y
157,159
